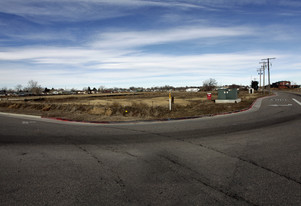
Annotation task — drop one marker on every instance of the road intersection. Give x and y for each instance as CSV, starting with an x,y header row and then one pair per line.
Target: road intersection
x,y
246,158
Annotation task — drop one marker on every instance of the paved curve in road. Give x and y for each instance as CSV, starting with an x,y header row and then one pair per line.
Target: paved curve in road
x,y
248,158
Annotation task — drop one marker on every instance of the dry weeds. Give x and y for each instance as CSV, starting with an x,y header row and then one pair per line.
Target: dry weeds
x,y
142,106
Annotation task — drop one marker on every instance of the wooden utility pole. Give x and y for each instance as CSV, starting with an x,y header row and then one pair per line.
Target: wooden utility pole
x,y
268,61
260,73
263,72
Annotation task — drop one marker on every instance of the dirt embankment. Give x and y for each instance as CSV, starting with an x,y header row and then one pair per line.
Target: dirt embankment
x,y
123,107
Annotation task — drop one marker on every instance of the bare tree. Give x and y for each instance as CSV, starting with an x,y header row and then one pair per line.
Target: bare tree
x,y
101,88
209,84
4,90
19,88
34,87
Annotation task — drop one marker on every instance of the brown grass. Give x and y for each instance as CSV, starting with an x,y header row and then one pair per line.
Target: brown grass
x,y
142,106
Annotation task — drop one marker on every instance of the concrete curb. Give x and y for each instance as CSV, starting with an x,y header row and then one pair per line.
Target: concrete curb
x,y
21,115
254,107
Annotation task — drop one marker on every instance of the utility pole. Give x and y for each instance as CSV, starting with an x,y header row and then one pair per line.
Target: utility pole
x,y
260,73
268,61
263,71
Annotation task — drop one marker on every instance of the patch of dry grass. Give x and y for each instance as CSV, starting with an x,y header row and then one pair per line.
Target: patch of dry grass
x,y
144,106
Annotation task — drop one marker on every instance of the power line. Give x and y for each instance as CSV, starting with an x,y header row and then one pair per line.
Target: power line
x,y
260,70
263,72
268,63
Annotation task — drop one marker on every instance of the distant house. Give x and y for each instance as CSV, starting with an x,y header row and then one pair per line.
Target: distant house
x,y
54,92
282,84
192,89
2,94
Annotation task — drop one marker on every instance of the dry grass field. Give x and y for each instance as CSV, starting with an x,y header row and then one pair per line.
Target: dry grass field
x,y
123,106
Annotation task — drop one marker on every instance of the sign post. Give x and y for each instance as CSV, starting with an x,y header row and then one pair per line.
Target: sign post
x,y
209,96
169,101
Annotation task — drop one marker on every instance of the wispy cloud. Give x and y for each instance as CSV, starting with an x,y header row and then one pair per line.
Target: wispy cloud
x,y
130,39
51,11
178,42
108,45
83,10
78,65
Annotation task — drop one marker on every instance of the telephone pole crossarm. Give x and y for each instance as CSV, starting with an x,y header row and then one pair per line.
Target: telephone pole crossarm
x,y
263,77
269,76
260,73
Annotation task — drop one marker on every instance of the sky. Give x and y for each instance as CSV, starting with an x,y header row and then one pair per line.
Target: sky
x,y
147,43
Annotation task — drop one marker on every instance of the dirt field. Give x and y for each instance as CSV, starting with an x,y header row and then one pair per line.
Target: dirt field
x,y
123,106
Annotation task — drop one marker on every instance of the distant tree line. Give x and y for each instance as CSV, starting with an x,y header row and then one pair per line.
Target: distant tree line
x,y
34,88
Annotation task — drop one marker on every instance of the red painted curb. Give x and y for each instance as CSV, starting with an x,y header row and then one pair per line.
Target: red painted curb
x,y
155,120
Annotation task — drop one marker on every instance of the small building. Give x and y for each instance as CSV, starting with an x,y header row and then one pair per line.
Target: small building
x,y
282,84
192,89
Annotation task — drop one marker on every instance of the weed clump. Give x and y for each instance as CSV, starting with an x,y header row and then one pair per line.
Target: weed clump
x,y
140,110
121,108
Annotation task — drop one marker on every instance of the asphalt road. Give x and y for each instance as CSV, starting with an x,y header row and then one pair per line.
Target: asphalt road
x,y
248,158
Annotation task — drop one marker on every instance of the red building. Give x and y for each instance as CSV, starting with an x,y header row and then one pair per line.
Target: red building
x,y
282,85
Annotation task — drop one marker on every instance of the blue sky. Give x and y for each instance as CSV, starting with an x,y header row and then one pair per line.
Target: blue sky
x,y
123,43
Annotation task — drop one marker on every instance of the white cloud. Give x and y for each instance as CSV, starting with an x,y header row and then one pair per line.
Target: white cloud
x,y
109,45
119,57
83,66
53,55
130,39
49,11
82,10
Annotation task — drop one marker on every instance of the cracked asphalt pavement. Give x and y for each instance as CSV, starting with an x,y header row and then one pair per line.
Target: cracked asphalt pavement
x,y
248,158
